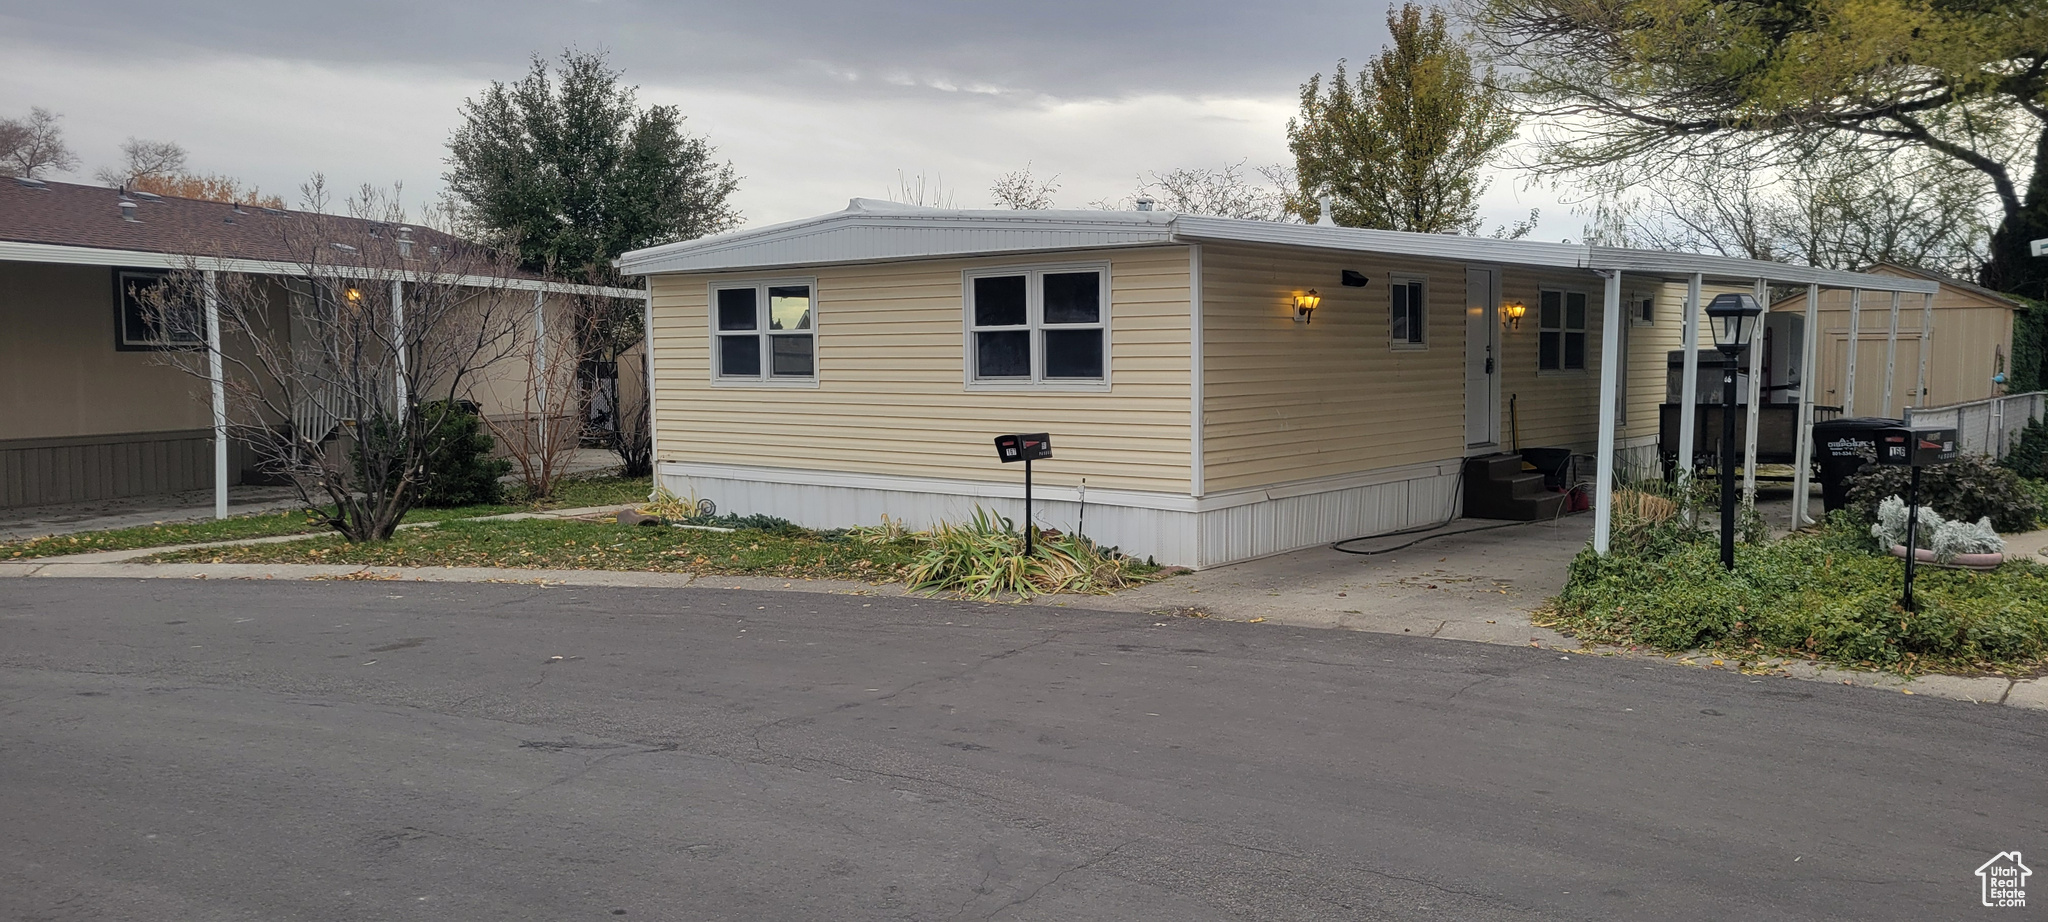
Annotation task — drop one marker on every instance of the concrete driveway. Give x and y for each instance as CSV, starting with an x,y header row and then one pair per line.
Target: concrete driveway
x,y
1474,579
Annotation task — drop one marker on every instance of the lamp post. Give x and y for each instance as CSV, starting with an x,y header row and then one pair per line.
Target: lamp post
x,y
1733,317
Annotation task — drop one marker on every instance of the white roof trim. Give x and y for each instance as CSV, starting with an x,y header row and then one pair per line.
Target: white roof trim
x,y
142,259
874,231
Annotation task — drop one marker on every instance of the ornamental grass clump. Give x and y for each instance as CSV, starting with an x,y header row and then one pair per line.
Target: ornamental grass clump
x,y
984,558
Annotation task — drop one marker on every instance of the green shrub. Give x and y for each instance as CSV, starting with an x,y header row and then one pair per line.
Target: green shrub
x,y
460,469
1824,596
1969,488
2029,456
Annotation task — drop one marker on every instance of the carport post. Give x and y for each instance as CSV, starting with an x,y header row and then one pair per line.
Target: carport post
x,y
398,341
1891,353
1802,455
647,362
1926,346
1610,386
540,366
1855,335
218,385
1689,387
1756,389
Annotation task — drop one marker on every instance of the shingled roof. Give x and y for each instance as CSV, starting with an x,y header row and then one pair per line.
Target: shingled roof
x,y
73,215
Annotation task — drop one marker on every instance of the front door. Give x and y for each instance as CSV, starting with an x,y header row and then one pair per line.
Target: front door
x,y
1482,358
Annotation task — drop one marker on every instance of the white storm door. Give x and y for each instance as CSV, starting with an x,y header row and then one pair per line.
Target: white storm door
x,y
1482,358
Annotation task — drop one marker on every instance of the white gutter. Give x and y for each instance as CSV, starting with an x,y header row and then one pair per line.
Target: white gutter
x,y
11,251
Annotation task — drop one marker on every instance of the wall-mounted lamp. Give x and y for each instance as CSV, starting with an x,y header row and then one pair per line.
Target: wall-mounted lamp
x,y
353,294
1512,313
1305,305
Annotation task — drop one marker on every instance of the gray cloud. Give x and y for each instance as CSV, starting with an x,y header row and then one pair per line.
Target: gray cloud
x,y
1056,48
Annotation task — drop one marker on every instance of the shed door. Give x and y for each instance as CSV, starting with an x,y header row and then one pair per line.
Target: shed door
x,y
1482,358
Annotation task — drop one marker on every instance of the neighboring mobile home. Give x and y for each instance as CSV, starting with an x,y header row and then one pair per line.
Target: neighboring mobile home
x,y
88,408
855,365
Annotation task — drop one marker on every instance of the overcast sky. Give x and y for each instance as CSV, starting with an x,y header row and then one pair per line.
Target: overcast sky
x,y
814,102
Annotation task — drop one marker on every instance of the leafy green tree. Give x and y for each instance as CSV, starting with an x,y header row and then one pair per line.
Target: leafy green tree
x,y
1634,89
1403,149
565,167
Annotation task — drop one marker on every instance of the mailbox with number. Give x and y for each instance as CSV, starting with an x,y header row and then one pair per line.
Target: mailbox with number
x,y
1033,447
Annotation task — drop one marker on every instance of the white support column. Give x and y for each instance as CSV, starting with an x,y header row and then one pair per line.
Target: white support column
x,y
1891,353
398,342
1756,389
1802,455
1926,346
647,366
1855,336
1689,387
540,367
217,383
1610,387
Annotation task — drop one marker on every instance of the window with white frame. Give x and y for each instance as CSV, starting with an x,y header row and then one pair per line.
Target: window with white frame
x,y
764,331
1037,326
1409,318
1561,340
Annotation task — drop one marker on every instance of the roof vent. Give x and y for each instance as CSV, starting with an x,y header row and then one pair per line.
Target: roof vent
x,y
238,208
1328,218
148,196
30,182
128,211
405,243
1145,202
345,248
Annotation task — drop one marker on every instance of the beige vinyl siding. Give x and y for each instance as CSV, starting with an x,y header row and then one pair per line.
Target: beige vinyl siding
x,y
891,395
1562,408
1287,401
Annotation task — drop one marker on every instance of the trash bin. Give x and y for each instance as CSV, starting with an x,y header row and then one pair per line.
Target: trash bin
x,y
1843,447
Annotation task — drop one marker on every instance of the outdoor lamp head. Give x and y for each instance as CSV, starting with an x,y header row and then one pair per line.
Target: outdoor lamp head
x,y
1734,320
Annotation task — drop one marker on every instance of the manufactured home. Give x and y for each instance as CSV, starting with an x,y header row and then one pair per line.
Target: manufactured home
x,y
89,407
1215,390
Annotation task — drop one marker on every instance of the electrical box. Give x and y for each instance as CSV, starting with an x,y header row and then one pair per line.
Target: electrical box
x,y
1030,447
1915,446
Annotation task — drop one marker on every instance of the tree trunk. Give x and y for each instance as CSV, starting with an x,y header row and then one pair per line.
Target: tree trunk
x,y
2013,268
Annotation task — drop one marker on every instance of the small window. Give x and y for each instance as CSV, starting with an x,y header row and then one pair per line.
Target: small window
x,y
764,332
1644,310
1037,326
1410,315
154,316
1561,320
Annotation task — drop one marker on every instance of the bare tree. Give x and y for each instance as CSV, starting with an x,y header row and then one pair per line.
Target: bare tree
x,y
1019,190
922,192
1226,192
143,159
34,145
340,376
1839,208
546,432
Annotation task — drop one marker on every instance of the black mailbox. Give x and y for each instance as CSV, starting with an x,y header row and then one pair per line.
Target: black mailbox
x,y
1915,446
1029,447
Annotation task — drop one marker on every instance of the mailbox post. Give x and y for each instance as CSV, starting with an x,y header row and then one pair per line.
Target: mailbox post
x,y
1915,448
1026,448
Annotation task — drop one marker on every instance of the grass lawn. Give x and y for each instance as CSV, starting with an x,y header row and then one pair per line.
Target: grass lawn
x,y
570,545
569,494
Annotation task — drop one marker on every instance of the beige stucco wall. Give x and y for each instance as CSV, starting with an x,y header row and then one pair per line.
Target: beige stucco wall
x,y
60,374
891,395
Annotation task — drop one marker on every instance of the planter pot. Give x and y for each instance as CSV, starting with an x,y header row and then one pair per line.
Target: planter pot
x,y
1962,562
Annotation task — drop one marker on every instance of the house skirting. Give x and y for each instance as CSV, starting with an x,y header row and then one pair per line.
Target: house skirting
x,y
83,468
1170,528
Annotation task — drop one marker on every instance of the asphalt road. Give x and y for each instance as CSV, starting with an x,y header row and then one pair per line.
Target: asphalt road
x,y
174,750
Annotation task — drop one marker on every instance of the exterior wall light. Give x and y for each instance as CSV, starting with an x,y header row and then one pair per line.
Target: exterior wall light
x,y
1512,313
353,294
1305,305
